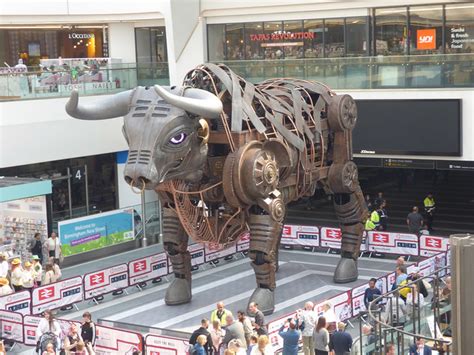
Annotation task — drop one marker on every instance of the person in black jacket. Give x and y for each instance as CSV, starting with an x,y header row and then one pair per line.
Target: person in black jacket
x,y
415,275
202,330
340,341
36,247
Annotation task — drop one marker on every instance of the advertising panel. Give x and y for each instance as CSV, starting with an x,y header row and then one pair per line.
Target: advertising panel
x,y
431,245
342,305
197,256
300,235
165,345
393,243
215,251
17,302
116,341
147,268
243,244
57,295
80,235
331,237
105,281
11,326
30,324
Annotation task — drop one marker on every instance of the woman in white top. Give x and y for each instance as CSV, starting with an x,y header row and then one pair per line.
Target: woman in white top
x,y
28,277
49,325
54,248
3,265
263,346
415,301
49,275
17,275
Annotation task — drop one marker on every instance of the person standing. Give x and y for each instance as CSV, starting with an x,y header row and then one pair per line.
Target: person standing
x,y
420,348
29,276
17,275
216,335
220,314
321,337
3,265
383,216
308,318
290,337
88,332
371,293
340,341
378,200
234,330
38,270
263,346
259,323
200,345
36,247
202,331
5,288
368,203
54,248
430,207
247,323
49,325
49,275
414,221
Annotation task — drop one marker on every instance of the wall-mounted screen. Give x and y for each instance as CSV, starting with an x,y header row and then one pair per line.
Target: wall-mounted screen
x,y
408,127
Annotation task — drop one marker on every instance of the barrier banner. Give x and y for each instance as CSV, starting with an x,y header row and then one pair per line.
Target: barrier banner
x,y
430,265
17,302
358,294
331,237
393,243
342,305
11,326
215,251
147,268
105,281
197,255
243,244
431,245
57,295
165,345
300,235
30,324
116,341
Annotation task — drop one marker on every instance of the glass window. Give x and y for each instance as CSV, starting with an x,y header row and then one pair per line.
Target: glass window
x,y
142,43
150,44
293,39
460,28
253,39
158,44
234,37
313,47
426,29
334,38
391,31
216,42
356,36
272,45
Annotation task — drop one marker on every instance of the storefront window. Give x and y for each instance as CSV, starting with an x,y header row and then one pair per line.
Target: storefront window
x,y
253,36
356,36
391,31
216,42
273,48
460,28
313,46
234,36
426,29
293,39
150,44
334,38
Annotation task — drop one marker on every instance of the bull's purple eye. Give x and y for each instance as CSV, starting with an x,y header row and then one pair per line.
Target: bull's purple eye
x,y
178,139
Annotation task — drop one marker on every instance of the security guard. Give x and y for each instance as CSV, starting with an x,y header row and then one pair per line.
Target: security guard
x,y
430,207
373,221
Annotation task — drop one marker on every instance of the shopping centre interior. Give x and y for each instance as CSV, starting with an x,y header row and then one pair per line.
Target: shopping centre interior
x,y
409,67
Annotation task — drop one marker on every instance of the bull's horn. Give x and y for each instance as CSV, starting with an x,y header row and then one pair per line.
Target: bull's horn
x,y
107,107
197,101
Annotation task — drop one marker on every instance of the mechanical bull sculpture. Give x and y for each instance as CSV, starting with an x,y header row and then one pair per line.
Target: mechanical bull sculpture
x,y
227,156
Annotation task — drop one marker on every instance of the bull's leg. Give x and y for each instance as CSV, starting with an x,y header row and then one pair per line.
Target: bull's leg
x,y
351,212
264,238
175,241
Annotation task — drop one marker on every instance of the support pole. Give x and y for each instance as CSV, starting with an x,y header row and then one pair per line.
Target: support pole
x,y
462,280
144,241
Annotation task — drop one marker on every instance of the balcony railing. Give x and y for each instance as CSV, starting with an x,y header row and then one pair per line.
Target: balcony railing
x,y
50,83
416,71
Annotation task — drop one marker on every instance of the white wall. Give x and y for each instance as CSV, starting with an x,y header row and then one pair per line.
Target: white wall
x,y
126,196
122,41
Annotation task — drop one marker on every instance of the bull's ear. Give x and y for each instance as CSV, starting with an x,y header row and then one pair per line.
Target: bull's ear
x,y
107,107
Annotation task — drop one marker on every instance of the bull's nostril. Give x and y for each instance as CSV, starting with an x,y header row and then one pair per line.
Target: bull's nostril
x,y
128,180
142,180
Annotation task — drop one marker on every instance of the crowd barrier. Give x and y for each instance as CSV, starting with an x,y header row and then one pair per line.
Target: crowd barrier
x,y
18,311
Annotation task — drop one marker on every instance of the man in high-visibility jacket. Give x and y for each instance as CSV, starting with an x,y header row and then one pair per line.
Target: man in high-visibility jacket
x,y
430,207
220,314
373,221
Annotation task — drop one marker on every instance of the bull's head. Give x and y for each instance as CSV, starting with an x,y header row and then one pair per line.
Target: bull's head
x,y
162,125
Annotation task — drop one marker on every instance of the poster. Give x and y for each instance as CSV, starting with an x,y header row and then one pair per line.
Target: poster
x,y
331,237
105,281
11,326
57,295
147,268
342,305
165,345
17,302
117,341
300,235
393,243
80,235
431,245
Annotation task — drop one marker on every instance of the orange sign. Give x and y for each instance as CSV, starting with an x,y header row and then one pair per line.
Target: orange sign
x,y
426,39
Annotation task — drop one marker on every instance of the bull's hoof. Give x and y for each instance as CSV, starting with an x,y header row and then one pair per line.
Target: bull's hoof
x,y
265,298
178,292
346,271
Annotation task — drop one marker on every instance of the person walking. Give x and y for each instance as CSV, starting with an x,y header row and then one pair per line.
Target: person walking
x,y
203,330
340,341
290,336
54,248
308,318
220,314
414,221
430,207
36,247
259,323
321,337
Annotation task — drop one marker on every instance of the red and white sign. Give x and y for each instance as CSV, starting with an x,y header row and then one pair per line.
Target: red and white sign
x,y
358,294
19,302
30,324
243,244
57,295
300,235
430,265
164,345
105,281
431,245
393,243
117,341
426,39
11,326
147,268
331,237
342,305
215,251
